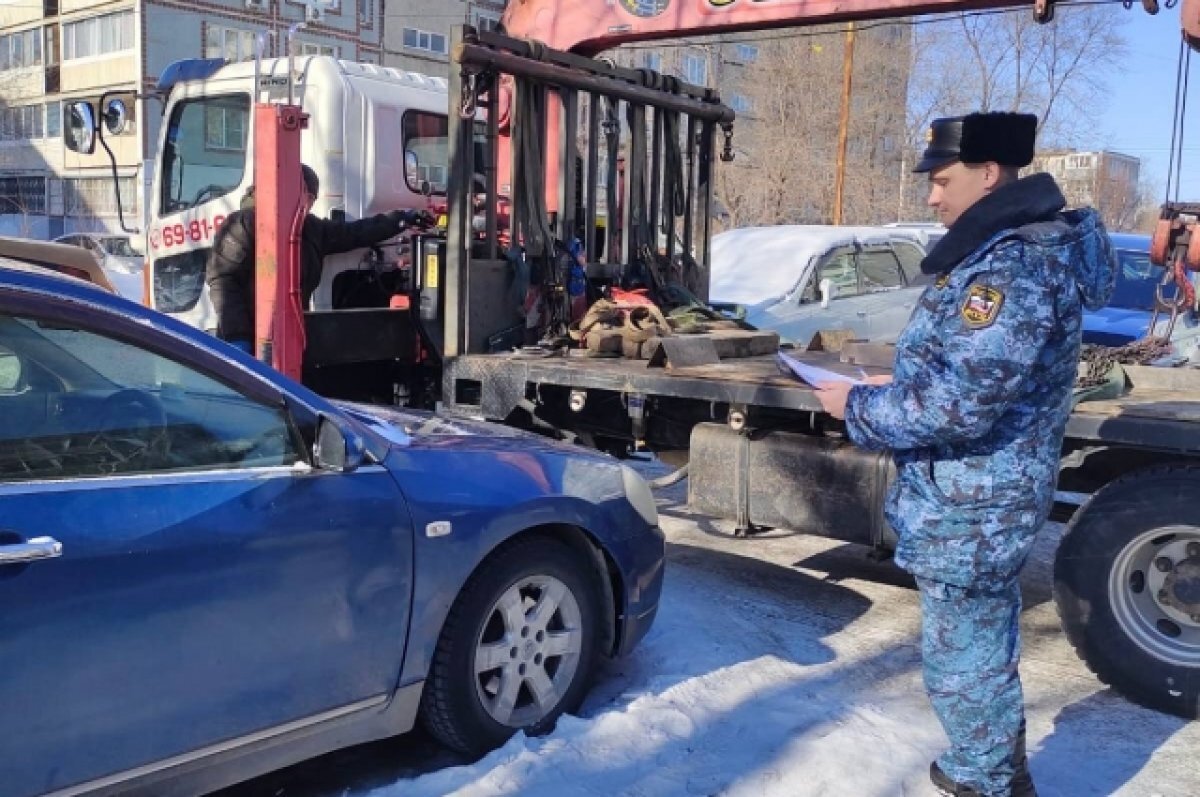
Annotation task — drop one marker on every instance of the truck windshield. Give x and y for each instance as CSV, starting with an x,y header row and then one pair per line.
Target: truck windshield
x,y
204,155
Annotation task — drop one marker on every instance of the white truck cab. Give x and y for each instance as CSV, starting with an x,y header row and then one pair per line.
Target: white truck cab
x,y
374,135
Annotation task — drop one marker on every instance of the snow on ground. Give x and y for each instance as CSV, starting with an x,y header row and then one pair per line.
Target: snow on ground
x,y
789,665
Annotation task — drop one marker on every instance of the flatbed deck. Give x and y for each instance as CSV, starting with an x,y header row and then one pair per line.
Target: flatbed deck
x,y
1161,409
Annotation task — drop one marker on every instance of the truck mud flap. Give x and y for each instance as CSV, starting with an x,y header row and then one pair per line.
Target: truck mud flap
x,y
786,480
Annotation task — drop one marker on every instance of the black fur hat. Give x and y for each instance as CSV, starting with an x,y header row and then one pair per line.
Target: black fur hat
x,y
999,137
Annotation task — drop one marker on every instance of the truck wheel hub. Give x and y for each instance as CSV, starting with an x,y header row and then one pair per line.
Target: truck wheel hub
x,y
1183,586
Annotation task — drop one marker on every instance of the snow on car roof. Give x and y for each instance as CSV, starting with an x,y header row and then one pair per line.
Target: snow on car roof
x,y
753,264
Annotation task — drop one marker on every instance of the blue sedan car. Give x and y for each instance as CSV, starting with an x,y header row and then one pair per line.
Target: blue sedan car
x,y
208,572
1126,318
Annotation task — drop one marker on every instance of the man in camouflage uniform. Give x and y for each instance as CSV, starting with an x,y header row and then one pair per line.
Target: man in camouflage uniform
x,y
975,415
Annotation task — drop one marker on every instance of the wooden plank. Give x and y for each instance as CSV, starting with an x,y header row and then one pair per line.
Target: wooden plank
x,y
684,351
732,343
1169,405
1145,376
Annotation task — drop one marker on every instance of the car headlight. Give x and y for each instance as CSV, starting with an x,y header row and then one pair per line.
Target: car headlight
x,y
639,495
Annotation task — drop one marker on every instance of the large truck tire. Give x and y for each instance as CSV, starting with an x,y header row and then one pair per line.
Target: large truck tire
x,y
1127,586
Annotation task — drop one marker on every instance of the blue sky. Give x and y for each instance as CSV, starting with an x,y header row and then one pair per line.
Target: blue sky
x,y
1137,120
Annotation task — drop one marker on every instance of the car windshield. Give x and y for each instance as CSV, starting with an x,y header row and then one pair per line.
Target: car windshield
x,y
1136,281
119,247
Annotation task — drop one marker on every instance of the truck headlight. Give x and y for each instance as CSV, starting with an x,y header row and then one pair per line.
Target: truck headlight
x,y
639,495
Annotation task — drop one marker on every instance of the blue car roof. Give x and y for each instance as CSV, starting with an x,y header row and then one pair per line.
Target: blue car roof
x,y
1128,240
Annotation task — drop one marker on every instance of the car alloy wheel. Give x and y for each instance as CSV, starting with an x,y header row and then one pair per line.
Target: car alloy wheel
x,y
528,651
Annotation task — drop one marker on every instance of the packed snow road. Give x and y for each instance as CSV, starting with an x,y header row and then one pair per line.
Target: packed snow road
x,y
783,665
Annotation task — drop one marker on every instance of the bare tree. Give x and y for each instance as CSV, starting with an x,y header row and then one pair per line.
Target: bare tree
x,y
786,160
1009,62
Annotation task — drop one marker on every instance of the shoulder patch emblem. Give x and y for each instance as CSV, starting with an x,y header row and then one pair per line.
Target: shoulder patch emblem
x,y
981,306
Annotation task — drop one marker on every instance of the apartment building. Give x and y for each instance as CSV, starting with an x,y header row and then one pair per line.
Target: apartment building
x,y
56,51
1106,180
417,32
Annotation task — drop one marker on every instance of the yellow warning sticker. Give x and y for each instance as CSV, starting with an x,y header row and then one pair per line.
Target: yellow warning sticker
x,y
431,271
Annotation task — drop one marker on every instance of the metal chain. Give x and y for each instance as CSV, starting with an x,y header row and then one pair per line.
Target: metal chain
x,y
468,103
727,151
1101,359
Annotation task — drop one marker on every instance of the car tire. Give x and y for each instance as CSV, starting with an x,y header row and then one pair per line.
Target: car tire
x,y
518,649
1127,587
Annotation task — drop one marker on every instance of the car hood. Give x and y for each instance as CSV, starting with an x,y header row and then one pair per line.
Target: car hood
x,y
409,428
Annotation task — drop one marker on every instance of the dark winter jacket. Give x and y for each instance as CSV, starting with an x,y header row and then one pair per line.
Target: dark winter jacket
x,y
230,268
983,379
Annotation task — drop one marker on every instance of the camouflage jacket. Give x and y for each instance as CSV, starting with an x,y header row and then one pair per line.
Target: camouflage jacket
x,y
982,391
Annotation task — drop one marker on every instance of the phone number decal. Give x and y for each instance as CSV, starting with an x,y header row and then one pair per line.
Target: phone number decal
x,y
180,234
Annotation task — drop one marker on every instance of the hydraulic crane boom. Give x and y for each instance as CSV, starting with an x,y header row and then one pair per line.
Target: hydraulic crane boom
x,y
590,26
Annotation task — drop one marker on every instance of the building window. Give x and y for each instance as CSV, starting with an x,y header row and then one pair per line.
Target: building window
x,y
652,61
366,11
229,43
1079,162
94,196
22,196
20,50
50,35
21,123
309,48
486,22
225,128
745,53
53,119
424,40
695,69
110,33
741,103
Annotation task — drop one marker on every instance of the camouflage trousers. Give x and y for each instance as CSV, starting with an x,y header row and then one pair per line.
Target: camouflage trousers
x,y
970,646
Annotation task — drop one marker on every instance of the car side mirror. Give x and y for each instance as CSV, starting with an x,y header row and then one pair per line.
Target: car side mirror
x,y
79,133
337,449
827,291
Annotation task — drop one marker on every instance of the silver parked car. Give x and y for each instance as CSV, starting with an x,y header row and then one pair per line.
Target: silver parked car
x,y
118,255
799,280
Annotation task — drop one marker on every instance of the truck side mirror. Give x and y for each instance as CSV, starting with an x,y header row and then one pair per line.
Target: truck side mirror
x,y
411,173
79,133
827,291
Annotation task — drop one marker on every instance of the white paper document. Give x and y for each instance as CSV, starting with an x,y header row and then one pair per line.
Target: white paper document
x,y
812,374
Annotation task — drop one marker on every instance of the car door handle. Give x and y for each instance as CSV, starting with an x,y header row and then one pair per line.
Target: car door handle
x,y
862,314
31,551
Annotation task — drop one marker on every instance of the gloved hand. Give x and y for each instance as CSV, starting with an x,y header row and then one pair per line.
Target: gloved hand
x,y
413,218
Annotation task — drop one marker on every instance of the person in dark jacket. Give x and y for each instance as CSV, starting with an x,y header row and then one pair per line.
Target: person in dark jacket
x,y
974,417
230,268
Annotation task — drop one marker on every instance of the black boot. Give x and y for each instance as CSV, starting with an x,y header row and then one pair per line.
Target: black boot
x,y
947,786
1021,784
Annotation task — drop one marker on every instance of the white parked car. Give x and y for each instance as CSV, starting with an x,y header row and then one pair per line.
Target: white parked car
x,y
927,232
798,280
118,255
